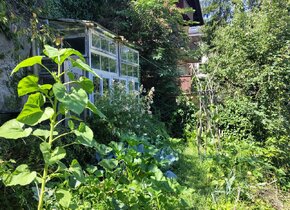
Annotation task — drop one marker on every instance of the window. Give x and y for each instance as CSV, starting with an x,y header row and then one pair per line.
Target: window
x,y
129,62
95,61
104,44
97,88
115,63
106,85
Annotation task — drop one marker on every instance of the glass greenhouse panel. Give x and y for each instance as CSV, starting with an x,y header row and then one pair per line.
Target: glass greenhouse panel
x,y
113,65
95,61
104,44
97,87
105,64
96,41
106,85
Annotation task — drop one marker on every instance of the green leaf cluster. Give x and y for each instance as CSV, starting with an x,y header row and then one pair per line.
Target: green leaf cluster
x,y
49,102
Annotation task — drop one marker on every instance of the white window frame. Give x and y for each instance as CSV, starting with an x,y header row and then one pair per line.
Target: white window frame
x,y
111,75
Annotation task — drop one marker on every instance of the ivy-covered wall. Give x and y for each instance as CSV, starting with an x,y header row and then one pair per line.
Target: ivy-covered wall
x,y
10,54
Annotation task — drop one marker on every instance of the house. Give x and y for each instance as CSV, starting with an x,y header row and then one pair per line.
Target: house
x,y
189,63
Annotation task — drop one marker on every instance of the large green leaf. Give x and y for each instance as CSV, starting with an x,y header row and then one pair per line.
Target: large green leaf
x,y
51,156
32,113
21,176
85,135
27,85
48,112
45,87
27,62
157,172
74,101
86,84
13,129
102,149
95,110
68,52
82,65
60,55
76,170
63,197
44,133
109,164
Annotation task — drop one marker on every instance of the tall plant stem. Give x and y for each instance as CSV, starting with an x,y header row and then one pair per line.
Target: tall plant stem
x,y
45,171
41,195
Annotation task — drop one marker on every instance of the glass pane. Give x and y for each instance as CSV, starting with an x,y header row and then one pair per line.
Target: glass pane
x,y
124,53
104,45
130,56
96,42
130,70
113,67
135,57
136,71
95,61
106,86
123,69
105,63
112,47
97,88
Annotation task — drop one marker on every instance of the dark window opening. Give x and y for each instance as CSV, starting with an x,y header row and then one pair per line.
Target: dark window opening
x,y
75,43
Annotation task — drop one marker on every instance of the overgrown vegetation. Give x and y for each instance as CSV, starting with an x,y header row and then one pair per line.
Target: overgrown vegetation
x,y
234,150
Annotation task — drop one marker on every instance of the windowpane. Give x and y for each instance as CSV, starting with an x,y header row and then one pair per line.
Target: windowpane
x,y
104,44
129,70
136,71
95,61
113,66
112,47
123,69
124,53
97,88
105,63
106,85
130,56
135,57
96,41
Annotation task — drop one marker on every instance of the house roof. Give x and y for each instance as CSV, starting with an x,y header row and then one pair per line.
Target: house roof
x,y
197,14
75,25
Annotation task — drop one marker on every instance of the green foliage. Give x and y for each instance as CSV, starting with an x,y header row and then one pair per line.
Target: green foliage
x,y
58,95
185,116
241,126
250,66
130,179
154,27
126,113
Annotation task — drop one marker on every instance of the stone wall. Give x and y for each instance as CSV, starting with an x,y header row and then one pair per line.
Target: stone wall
x,y
9,57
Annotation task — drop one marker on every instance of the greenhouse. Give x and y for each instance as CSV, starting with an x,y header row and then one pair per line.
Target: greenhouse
x,y
109,55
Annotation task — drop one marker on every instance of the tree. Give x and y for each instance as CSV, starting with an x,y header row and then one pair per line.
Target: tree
x,y
156,29
249,63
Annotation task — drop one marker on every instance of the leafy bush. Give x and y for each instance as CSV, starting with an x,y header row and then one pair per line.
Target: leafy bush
x,y
62,100
126,113
129,176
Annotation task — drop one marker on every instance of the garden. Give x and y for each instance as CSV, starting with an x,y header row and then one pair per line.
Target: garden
x,y
224,146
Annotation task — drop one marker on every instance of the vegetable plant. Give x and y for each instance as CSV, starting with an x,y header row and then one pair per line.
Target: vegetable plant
x,y
56,103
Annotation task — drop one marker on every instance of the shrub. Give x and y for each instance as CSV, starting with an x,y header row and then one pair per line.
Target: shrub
x,y
126,113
